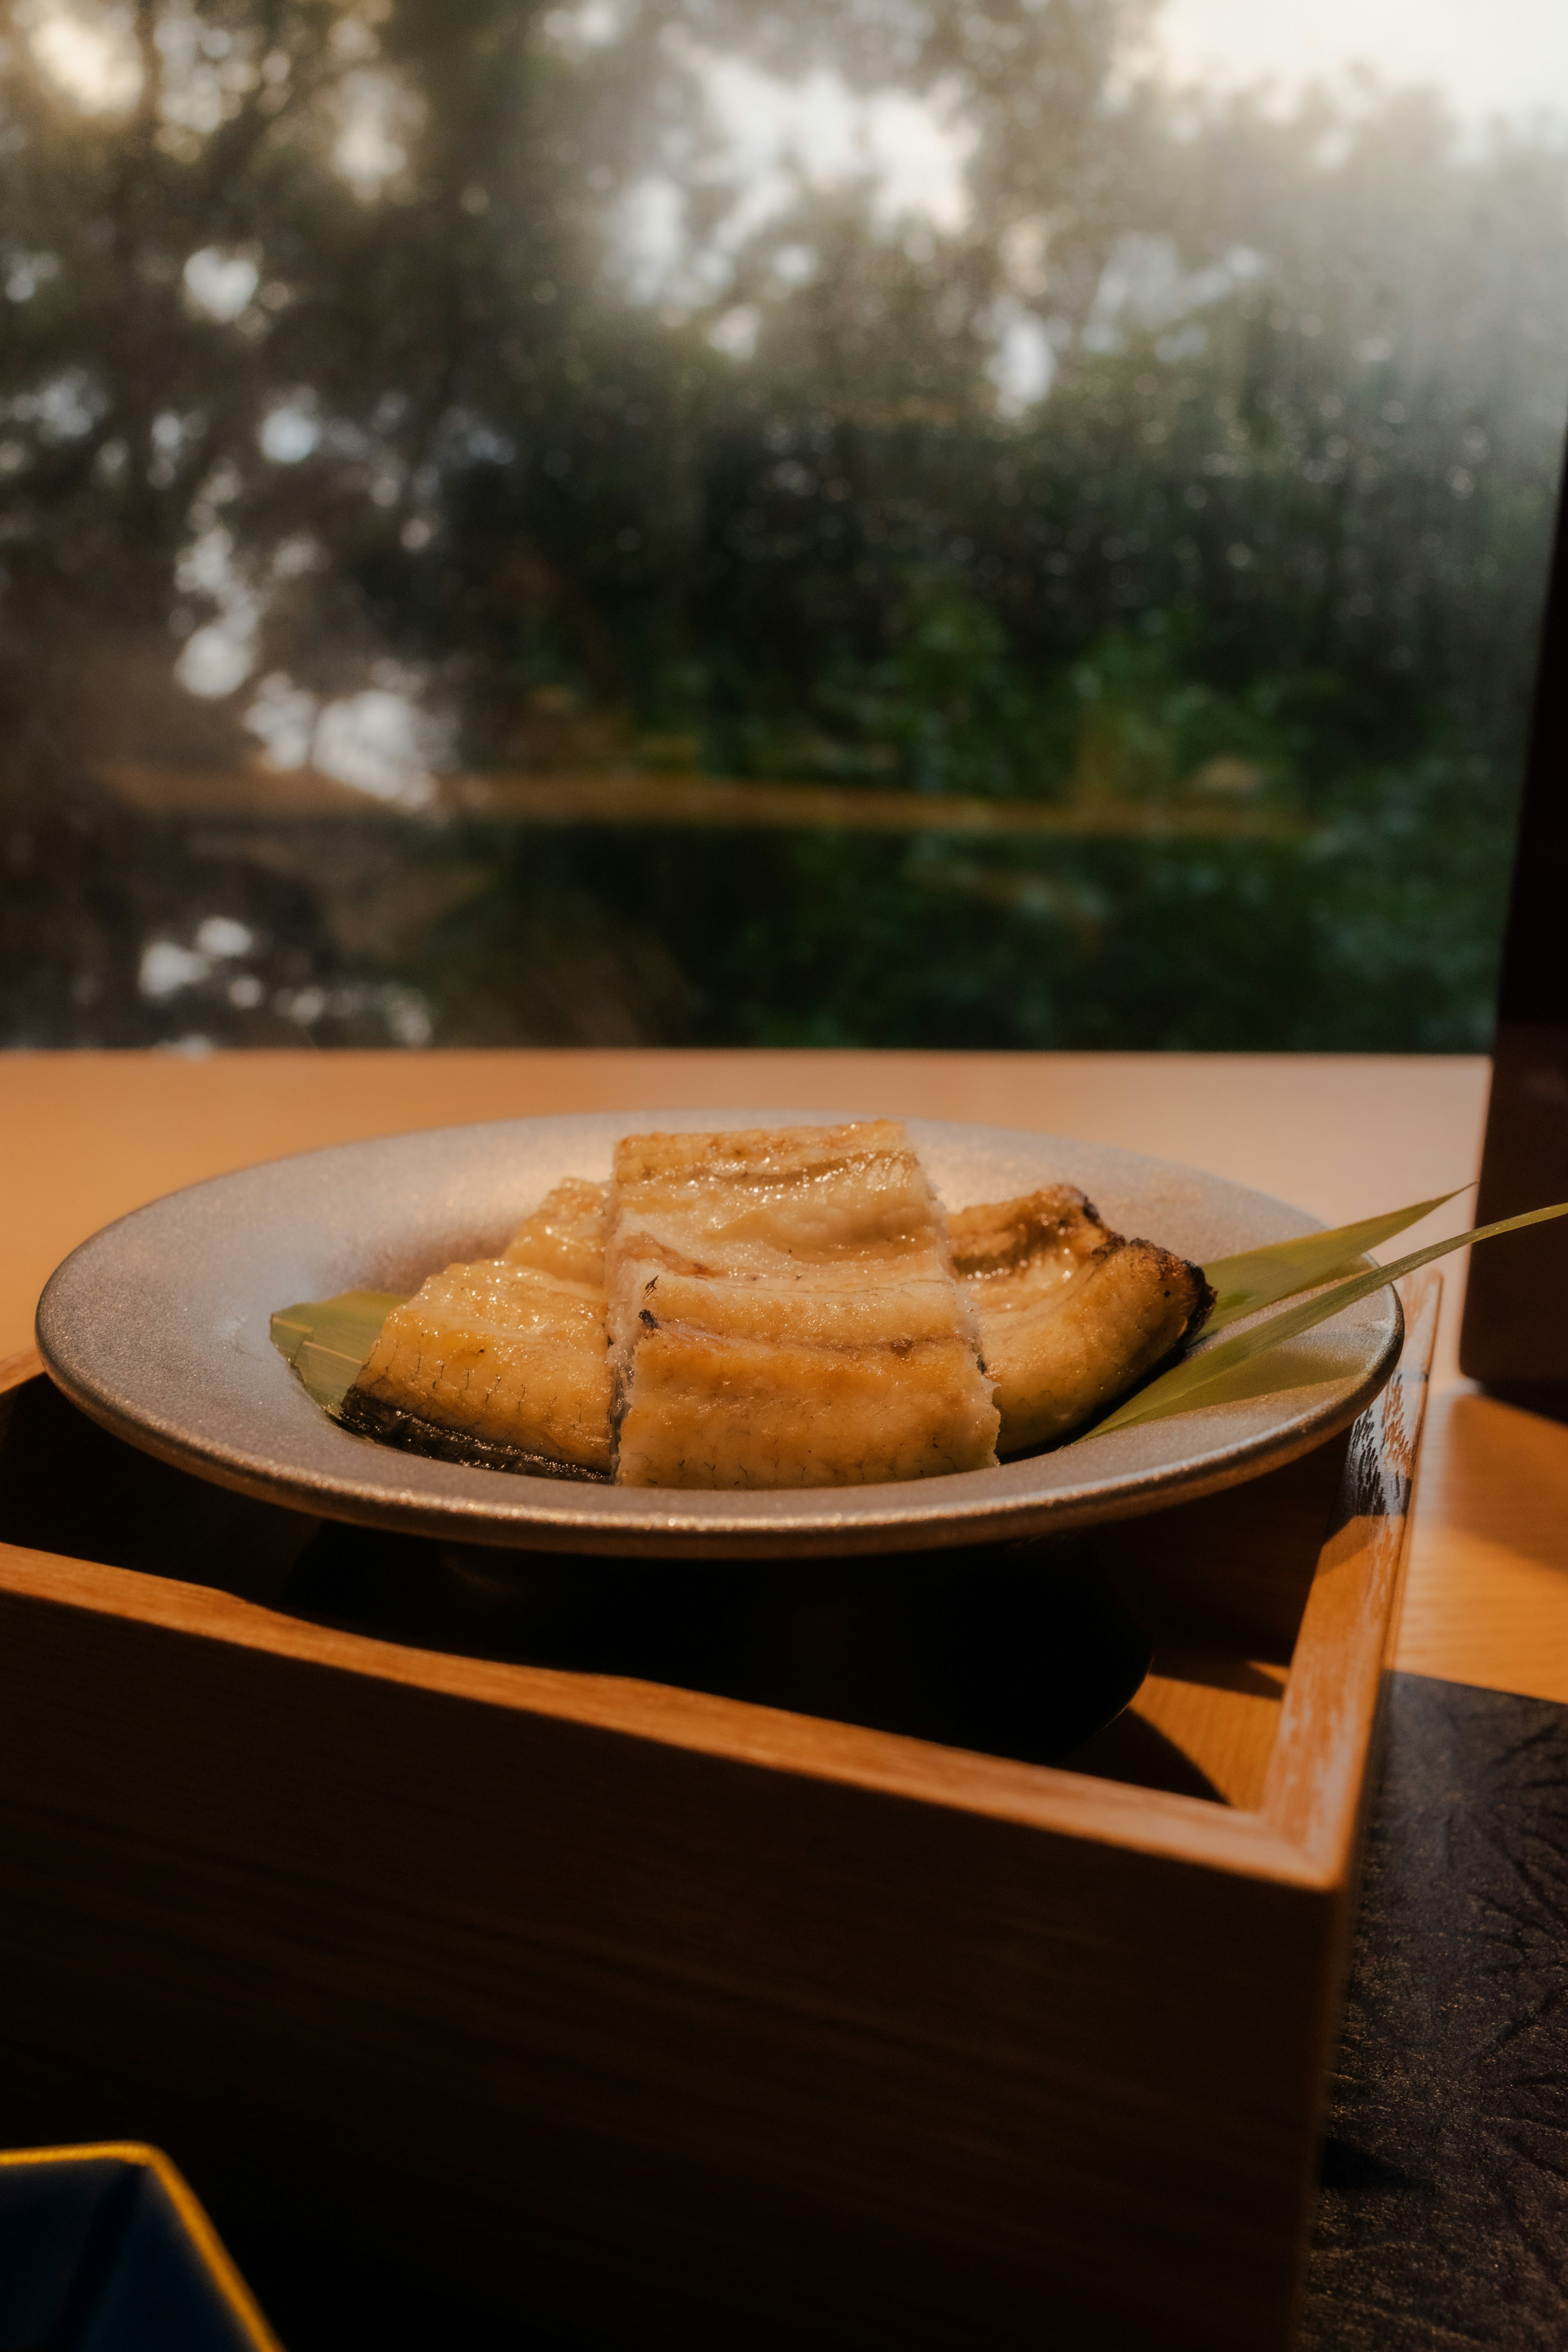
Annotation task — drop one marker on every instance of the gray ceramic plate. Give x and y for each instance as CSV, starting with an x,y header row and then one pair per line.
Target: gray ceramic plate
x,y
159,1328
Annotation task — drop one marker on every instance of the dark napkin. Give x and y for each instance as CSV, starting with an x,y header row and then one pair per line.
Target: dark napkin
x,y
1443,2220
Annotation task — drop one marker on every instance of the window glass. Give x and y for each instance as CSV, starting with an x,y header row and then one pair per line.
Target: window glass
x,y
948,523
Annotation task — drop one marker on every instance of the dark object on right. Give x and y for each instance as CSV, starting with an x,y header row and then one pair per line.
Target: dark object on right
x,y
1515,1334
1444,2209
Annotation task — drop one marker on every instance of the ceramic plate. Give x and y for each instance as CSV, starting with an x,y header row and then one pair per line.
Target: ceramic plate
x,y
159,1328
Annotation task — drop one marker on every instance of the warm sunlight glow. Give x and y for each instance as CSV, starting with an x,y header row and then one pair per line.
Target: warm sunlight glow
x,y
94,62
1486,56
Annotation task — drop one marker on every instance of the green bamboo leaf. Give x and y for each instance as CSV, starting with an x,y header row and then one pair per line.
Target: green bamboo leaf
x,y
328,1340
1256,1277
1199,1379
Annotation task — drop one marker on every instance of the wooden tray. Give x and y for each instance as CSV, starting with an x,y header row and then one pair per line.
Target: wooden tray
x,y
674,2018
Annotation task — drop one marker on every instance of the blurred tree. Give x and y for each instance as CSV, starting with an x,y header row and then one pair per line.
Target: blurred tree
x,y
355,421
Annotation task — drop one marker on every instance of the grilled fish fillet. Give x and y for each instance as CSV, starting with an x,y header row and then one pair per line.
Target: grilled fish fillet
x,y
782,1313
785,1314
503,1362
566,1234
1071,1315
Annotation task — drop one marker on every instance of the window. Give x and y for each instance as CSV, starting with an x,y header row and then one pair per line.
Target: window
x,y
951,525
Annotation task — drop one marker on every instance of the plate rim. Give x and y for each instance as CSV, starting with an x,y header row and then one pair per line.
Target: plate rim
x,y
912,1515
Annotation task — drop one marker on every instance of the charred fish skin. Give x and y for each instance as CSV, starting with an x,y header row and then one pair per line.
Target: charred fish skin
x,y
782,1313
391,1424
505,1355
1071,1314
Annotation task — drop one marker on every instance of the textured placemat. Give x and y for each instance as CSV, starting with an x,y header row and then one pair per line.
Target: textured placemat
x,y
1444,2214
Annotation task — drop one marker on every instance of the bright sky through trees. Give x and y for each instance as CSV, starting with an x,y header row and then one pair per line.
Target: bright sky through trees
x,y
1487,57
402,392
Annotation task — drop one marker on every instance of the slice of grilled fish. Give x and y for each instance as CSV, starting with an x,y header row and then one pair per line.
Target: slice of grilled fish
x,y
782,1313
1071,1315
566,1234
503,1362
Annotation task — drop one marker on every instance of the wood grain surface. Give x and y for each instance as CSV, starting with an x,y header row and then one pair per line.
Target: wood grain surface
x,y
1487,1596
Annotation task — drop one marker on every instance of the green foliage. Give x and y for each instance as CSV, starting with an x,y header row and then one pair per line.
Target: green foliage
x,y
1274,541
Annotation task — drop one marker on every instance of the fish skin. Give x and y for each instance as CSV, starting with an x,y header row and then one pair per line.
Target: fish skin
x,y
782,1313
389,1425
1071,1314
507,1353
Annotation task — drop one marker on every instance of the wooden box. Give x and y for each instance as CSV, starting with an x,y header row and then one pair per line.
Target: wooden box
x,y
663,2018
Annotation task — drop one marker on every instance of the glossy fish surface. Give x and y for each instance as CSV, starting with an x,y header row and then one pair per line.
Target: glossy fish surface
x,y
782,1313
1071,1315
566,1234
507,1353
